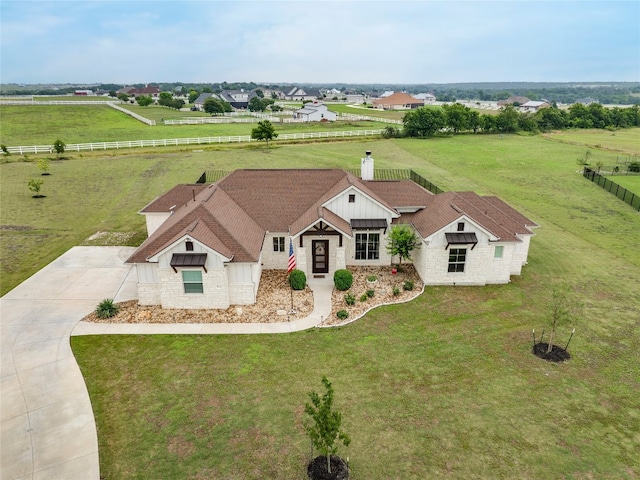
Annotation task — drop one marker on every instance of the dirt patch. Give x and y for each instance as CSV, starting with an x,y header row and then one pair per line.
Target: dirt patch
x,y
181,447
557,354
16,228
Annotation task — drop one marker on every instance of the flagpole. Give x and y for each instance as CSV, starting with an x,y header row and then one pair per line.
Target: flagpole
x,y
291,265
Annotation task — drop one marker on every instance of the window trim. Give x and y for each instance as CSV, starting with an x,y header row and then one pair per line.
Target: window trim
x,y
498,248
460,227
352,198
278,244
369,254
457,260
186,282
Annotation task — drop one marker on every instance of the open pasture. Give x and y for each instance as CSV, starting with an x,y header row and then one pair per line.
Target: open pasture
x,y
43,124
444,386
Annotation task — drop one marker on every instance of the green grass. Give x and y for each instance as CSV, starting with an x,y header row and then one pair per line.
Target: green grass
x,y
444,386
624,142
43,124
631,182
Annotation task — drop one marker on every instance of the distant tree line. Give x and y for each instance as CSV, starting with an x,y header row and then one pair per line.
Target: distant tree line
x,y
457,118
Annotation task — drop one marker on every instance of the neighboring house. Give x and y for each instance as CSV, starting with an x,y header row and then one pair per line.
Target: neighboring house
x,y
517,100
238,99
533,106
356,98
153,92
386,93
199,102
426,98
301,94
315,112
208,244
125,90
83,93
397,101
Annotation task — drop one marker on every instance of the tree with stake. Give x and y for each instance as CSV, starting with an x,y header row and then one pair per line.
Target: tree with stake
x,y
35,185
264,131
43,165
559,312
402,241
325,430
58,147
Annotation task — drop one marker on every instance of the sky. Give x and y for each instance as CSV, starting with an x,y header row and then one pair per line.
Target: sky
x,y
326,42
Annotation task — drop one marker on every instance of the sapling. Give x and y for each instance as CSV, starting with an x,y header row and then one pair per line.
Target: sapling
x,y
324,430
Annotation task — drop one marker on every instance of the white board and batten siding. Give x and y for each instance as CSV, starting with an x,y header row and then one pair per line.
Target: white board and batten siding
x,y
362,207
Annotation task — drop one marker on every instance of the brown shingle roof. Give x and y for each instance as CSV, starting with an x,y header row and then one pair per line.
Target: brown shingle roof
x,y
400,193
398,98
491,213
176,197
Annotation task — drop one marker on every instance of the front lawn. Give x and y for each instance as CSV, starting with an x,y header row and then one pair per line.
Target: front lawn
x,y
445,386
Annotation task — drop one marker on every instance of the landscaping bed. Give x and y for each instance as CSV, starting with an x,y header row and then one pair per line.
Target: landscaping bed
x,y
273,303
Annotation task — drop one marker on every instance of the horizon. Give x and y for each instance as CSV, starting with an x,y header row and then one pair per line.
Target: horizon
x,y
319,42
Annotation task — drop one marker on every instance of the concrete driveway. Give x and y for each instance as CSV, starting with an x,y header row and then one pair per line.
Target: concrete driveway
x,y
48,428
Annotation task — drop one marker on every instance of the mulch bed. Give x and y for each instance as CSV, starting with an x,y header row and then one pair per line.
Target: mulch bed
x,y
274,299
317,469
557,354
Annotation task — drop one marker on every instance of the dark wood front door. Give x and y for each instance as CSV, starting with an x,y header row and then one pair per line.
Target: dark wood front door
x,y
320,256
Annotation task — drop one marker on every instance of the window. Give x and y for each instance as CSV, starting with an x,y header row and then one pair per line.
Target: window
x,y
461,226
367,246
457,258
188,245
497,253
352,198
192,280
278,244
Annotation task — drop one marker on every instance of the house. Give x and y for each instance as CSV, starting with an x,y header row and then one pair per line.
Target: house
x,y
397,101
83,93
315,112
300,94
208,244
198,103
533,106
514,100
426,98
238,99
149,91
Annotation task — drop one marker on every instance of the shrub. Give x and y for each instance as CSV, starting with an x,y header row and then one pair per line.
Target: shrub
x,y
372,278
297,279
350,299
343,279
408,285
363,297
106,308
4,149
634,167
342,314
396,291
370,293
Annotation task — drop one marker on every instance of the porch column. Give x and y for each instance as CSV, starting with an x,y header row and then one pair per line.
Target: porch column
x,y
341,262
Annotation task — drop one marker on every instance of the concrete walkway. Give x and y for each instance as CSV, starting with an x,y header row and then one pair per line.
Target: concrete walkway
x,y
47,426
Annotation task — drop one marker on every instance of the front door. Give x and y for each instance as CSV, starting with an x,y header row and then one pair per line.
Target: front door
x,y
320,256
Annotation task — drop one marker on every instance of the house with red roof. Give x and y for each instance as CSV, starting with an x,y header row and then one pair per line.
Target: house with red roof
x,y
397,101
208,243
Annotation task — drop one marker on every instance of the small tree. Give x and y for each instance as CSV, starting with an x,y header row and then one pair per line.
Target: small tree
x,y
43,165
35,185
402,241
144,100
58,147
559,311
4,149
264,131
325,430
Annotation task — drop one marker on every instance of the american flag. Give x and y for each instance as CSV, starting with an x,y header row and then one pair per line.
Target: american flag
x,y
292,258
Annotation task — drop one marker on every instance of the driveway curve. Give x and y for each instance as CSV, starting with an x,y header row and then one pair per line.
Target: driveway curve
x,y
47,425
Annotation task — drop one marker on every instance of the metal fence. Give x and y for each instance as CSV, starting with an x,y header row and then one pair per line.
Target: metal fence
x,y
401,174
378,174
622,193
78,147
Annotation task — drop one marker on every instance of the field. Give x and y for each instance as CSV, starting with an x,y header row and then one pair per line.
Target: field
x,y
631,183
444,386
43,124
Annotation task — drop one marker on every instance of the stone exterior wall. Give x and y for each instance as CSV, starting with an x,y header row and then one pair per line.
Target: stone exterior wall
x,y
215,286
154,220
149,293
275,260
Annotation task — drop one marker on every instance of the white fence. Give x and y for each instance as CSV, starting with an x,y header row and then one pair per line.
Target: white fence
x,y
57,102
351,116
77,147
132,114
